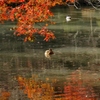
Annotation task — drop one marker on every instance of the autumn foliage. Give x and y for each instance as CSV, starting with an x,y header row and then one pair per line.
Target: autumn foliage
x,y
4,95
36,90
27,13
73,89
76,88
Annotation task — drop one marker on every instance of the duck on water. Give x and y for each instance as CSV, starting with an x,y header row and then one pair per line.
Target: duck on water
x,y
48,53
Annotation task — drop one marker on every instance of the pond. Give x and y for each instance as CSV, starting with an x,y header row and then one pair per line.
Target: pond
x,y
26,74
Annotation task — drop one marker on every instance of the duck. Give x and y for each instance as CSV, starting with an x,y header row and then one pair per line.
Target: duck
x,y
68,18
13,28
48,53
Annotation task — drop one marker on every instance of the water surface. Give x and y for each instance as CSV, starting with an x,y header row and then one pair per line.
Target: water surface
x,y
76,47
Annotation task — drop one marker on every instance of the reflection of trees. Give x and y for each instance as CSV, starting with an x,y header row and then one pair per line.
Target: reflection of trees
x,y
73,88
94,3
77,4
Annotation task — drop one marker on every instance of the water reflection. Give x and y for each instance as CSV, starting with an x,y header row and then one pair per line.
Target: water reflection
x,y
76,47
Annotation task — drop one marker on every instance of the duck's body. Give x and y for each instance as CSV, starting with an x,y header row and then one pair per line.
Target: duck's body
x,y
48,53
68,18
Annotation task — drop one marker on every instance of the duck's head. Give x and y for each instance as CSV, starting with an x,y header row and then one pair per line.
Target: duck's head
x,y
51,52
